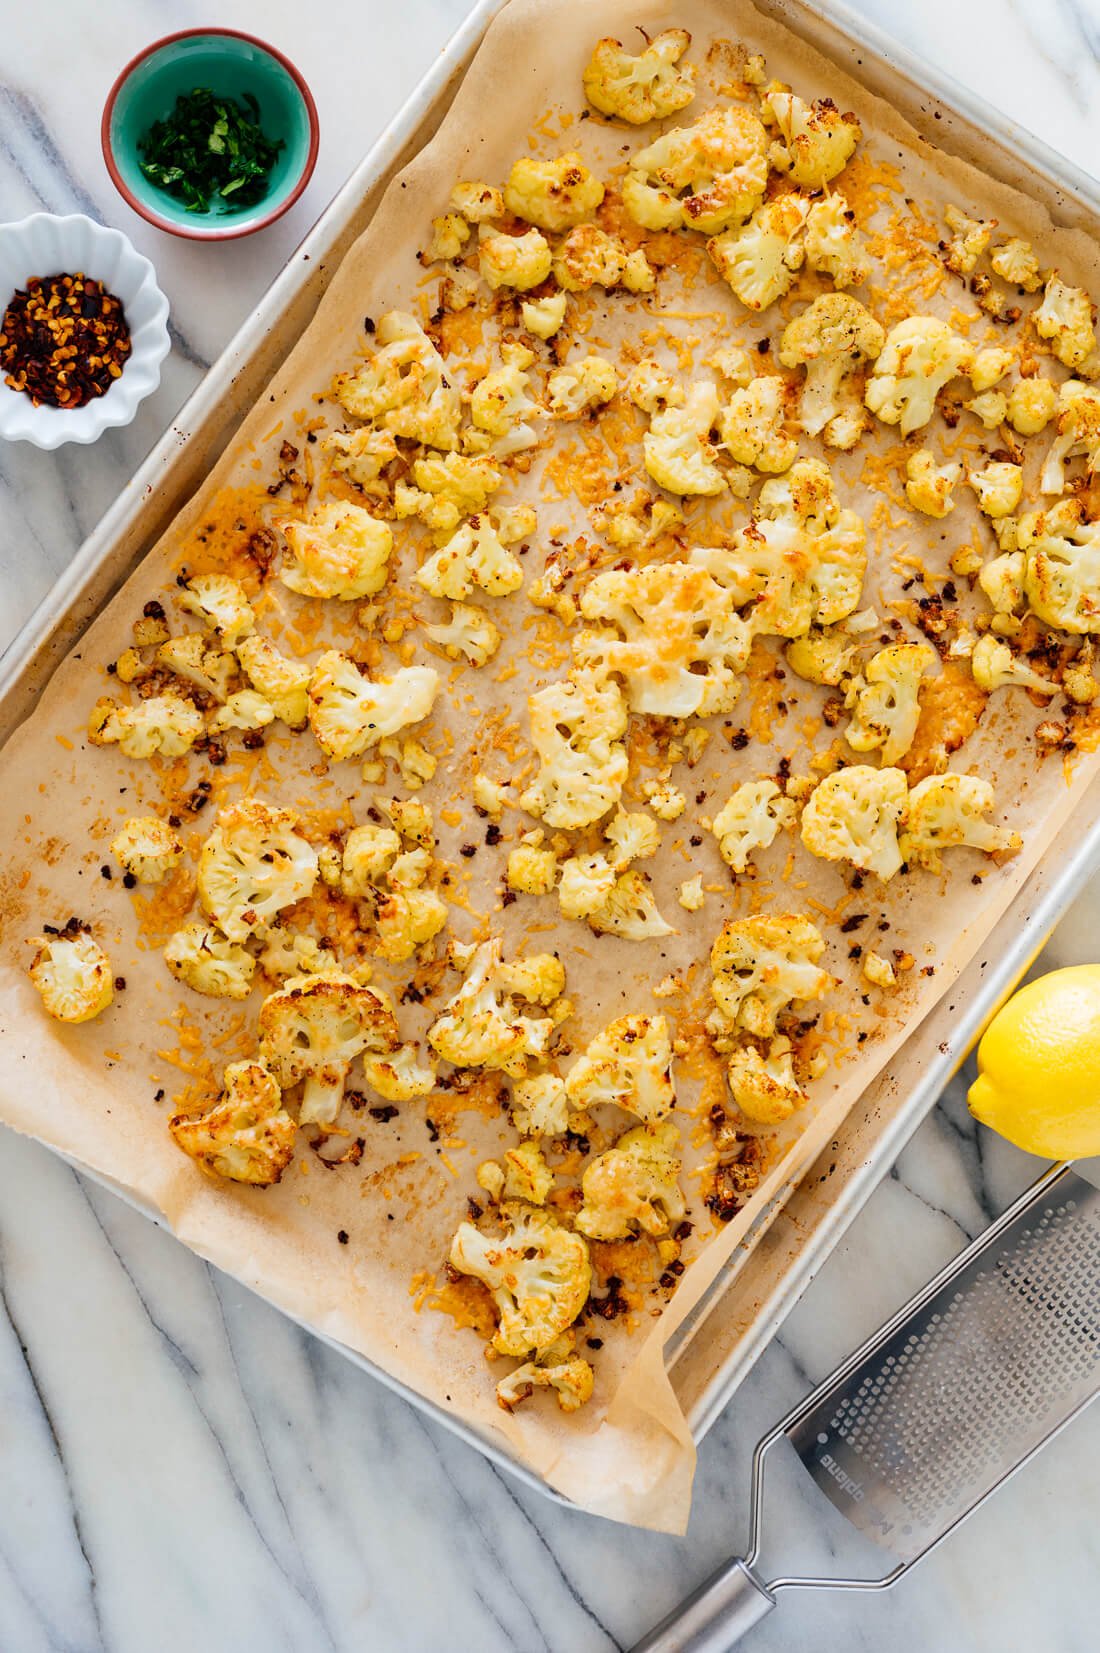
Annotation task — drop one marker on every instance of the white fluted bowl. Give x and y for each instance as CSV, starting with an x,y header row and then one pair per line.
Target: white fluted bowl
x,y
44,245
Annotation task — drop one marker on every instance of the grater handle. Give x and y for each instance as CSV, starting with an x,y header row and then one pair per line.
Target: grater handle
x,y
713,1619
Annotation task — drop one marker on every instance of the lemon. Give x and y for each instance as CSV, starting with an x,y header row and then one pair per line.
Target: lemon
x,y
1038,1078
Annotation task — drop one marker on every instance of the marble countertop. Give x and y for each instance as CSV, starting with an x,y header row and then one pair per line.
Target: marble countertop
x,y
182,1467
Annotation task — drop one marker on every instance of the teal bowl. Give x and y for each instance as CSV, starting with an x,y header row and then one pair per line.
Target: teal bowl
x,y
230,64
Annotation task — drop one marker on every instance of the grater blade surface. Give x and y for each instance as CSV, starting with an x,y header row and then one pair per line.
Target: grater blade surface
x,y
951,1398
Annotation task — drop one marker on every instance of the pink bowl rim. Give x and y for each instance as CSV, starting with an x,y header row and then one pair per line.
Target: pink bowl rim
x,y
167,224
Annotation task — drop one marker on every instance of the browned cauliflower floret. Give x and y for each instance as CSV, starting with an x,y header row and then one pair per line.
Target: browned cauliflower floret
x,y
404,387
752,816
147,848
247,1135
815,140
629,1063
283,683
576,729
928,486
349,712
1066,317
853,816
252,865
480,1026
204,960
73,975
630,910
945,811
634,1183
1078,435
1062,566
221,604
759,260
969,239
646,87
671,633
553,194
831,339
884,700
200,662
761,966
833,245
920,356
705,176
537,1273
572,1380
165,723
753,425
765,1087
677,449
312,1030
340,550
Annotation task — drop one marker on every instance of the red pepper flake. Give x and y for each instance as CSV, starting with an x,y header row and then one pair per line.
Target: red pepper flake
x,y
64,340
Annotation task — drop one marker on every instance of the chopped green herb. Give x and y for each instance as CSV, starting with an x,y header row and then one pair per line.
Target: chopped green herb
x,y
208,150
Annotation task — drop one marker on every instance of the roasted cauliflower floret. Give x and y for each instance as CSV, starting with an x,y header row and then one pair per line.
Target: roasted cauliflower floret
x,y
362,454
969,239
197,661
450,233
165,723
762,966
651,387
945,811
312,1030
540,1106
537,1273
247,709
1078,435
753,425
474,556
671,633
72,974
706,176
629,1063
760,259
517,261
405,919
1002,581
544,316
368,854
884,700
996,667
480,1026
802,559
751,818
1031,405
283,683
576,729
460,485
340,550
147,848
831,339
853,816
920,356
468,633
999,488
398,1076
1066,317
572,1380
928,485
1016,262
404,387
555,194
833,245
630,910
247,1136
349,712
477,201
578,387
1062,566
637,1182
501,405
991,408
252,865
646,87
678,452
207,962
221,604
822,656
531,870
539,978
989,366
589,257
815,140
765,1087
665,800
585,884
633,836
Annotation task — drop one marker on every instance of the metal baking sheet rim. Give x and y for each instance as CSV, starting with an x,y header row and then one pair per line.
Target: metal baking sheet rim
x,y
138,515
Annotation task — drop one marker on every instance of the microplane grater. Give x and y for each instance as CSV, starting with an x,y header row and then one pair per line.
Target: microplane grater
x,y
938,1408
